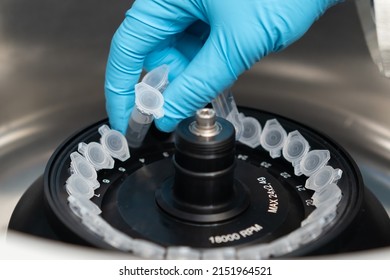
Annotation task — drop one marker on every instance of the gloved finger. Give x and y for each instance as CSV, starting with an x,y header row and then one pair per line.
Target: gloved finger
x,y
189,45
233,48
172,57
208,74
147,24
177,57
119,107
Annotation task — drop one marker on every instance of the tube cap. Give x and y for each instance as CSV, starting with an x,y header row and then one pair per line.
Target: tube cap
x,y
313,161
330,195
82,206
114,143
77,186
323,177
96,155
273,138
149,100
295,148
80,165
251,132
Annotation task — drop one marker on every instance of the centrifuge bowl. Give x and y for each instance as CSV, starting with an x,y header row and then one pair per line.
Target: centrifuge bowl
x,y
53,57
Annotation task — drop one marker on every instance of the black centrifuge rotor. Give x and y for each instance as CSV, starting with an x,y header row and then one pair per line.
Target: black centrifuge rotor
x,y
129,199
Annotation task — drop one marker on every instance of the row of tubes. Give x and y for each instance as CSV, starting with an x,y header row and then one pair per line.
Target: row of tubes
x,y
322,178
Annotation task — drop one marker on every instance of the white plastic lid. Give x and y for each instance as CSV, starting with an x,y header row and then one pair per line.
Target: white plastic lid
x,y
149,100
306,233
282,246
323,177
330,195
228,253
118,239
148,250
96,224
321,216
157,78
82,206
273,138
251,132
80,165
182,253
255,252
295,148
77,186
314,161
114,143
96,155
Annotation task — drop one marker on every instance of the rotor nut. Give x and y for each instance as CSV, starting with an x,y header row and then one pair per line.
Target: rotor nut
x,y
205,124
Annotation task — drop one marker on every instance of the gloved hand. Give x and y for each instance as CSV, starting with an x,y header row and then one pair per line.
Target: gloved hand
x,y
207,44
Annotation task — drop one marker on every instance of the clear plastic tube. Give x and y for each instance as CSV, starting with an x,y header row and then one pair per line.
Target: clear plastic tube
x,y
148,106
114,142
314,161
96,155
228,253
323,177
225,107
80,165
294,149
182,253
157,78
273,138
138,127
78,186
251,132
82,206
148,250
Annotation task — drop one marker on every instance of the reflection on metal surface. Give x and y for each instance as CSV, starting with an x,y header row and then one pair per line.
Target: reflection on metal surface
x,y
367,18
52,63
23,128
374,16
298,71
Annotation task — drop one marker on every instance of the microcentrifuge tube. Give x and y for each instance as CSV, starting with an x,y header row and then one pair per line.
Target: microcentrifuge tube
x,y
228,253
77,186
322,215
96,224
255,252
225,107
118,239
306,233
313,161
148,106
251,132
96,155
294,149
323,177
114,143
148,250
82,206
80,165
157,78
329,195
273,138
182,253
282,246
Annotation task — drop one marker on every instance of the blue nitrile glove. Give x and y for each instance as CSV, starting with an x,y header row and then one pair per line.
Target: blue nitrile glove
x,y
206,43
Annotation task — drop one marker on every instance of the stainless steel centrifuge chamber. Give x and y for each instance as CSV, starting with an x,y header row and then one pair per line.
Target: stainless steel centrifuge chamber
x,y
52,63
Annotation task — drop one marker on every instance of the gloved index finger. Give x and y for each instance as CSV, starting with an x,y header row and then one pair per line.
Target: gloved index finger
x,y
147,26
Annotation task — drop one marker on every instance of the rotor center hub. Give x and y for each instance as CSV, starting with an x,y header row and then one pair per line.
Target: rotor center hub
x,y
203,188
